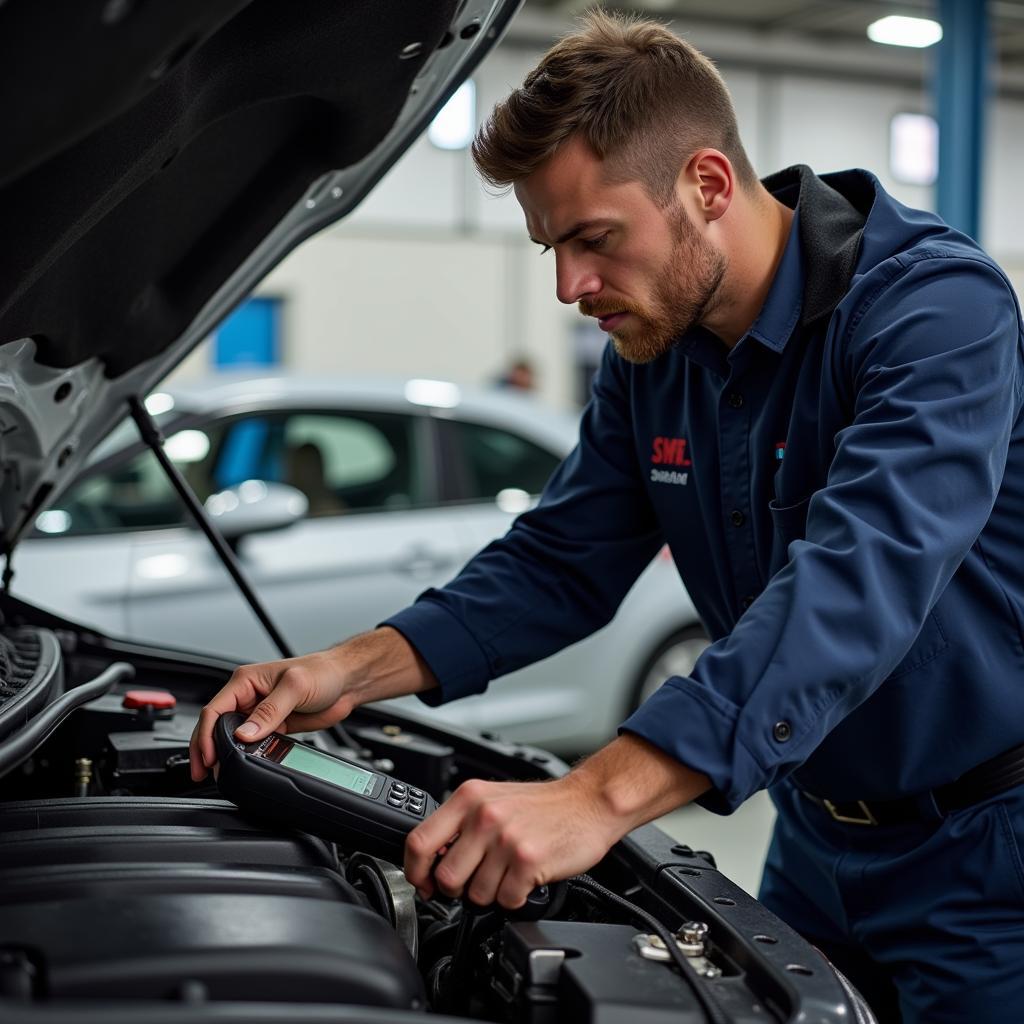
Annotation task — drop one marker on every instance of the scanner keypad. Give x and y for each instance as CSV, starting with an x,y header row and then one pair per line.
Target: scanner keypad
x,y
406,798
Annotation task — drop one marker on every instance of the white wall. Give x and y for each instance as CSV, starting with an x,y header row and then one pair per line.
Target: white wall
x,y
433,276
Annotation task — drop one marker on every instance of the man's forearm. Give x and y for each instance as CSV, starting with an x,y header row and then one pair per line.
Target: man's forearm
x,y
382,664
632,782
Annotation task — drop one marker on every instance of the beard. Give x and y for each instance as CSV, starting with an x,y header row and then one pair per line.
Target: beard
x,y
687,291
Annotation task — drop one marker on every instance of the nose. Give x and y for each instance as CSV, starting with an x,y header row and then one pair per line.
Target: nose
x,y
574,279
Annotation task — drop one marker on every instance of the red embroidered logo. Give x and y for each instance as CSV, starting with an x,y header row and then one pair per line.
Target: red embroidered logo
x,y
670,451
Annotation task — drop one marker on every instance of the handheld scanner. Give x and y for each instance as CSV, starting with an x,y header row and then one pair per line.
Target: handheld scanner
x,y
304,788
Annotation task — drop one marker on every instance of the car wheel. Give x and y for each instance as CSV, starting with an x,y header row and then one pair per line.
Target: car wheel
x,y
675,657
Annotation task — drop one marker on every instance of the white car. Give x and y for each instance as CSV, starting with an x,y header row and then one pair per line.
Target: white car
x,y
403,482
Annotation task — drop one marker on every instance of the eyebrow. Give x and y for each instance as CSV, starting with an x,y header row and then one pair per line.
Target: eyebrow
x,y
576,229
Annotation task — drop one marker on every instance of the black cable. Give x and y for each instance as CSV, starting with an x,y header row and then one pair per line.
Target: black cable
x,y
17,747
714,1012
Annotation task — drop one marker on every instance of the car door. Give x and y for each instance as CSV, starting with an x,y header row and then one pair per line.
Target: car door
x,y
373,539
491,473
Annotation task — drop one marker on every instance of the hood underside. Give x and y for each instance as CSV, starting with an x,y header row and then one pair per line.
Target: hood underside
x,y
159,158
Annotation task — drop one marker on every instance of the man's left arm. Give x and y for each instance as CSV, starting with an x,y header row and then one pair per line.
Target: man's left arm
x,y
931,359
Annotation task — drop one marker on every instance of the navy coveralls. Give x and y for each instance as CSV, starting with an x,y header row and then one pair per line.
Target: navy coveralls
x,y
843,494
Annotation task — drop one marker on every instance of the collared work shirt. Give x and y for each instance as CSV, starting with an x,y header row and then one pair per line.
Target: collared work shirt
x,y
843,494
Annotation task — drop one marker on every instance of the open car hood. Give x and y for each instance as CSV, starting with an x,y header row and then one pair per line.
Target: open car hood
x,y
158,160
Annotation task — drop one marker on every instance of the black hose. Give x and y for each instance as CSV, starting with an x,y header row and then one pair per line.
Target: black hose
x,y
16,748
715,1014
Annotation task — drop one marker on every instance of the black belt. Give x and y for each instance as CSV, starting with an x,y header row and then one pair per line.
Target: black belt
x,y
987,779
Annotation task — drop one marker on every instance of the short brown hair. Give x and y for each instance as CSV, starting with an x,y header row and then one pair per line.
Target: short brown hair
x,y
642,98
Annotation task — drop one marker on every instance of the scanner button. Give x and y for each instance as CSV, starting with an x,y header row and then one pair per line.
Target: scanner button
x,y
398,788
395,801
416,794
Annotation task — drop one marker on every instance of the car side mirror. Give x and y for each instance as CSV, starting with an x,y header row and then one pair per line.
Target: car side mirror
x,y
256,506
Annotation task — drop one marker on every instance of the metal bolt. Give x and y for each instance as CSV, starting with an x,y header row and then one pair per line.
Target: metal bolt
x,y
310,204
693,931
337,192
83,776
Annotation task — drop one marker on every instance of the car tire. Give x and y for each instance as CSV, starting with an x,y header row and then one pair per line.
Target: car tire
x,y
675,656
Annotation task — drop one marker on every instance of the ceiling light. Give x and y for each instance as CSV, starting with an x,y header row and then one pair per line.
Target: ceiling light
x,y
899,31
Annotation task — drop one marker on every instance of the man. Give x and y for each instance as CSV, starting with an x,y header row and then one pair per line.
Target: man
x,y
813,394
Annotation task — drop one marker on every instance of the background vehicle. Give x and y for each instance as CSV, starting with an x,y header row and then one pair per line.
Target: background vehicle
x,y
404,481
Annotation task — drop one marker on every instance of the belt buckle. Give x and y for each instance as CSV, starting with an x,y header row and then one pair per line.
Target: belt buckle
x,y
868,819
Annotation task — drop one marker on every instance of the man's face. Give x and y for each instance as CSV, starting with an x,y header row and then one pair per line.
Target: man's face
x,y
644,271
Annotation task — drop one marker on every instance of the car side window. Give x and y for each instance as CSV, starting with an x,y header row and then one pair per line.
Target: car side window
x,y
342,462
489,460
129,495
350,462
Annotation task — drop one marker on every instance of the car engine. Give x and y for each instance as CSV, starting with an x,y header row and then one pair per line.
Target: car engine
x,y
123,883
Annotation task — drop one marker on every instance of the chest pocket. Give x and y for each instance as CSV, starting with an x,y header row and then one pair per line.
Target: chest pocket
x,y
790,524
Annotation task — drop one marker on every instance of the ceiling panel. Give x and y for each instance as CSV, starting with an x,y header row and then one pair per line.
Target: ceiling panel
x,y
823,20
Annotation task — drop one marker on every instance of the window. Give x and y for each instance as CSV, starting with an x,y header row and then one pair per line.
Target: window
x,y
914,149
350,462
342,463
488,461
130,496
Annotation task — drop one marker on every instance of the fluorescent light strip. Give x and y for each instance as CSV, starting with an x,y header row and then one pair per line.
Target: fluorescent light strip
x,y
896,30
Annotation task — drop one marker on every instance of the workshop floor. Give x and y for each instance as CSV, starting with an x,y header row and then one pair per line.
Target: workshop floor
x,y
739,842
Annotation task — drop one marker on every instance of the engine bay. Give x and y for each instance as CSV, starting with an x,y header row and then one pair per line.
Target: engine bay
x,y
122,882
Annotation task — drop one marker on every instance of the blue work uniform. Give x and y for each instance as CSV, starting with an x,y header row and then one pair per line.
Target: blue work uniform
x,y
843,494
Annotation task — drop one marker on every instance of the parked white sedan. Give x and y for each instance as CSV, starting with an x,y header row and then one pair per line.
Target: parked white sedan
x,y
403,482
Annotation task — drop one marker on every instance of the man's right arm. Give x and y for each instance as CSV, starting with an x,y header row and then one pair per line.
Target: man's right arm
x,y
313,691
555,577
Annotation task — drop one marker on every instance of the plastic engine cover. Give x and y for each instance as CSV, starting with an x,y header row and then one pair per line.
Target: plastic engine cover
x,y
148,899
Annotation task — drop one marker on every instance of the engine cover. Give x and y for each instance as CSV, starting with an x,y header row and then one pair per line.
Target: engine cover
x,y
129,898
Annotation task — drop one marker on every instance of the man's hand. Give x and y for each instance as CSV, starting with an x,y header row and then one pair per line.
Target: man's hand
x,y
510,837
311,692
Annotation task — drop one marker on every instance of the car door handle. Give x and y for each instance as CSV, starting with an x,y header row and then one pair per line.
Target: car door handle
x,y
421,562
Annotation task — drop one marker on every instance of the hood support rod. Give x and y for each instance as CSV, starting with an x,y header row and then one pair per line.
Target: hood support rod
x,y
153,439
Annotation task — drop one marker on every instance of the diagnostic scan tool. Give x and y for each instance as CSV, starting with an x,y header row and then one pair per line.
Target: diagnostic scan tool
x,y
305,788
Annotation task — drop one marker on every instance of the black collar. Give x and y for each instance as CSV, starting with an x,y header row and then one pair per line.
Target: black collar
x,y
832,216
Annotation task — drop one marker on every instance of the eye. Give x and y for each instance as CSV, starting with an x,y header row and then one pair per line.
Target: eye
x,y
596,243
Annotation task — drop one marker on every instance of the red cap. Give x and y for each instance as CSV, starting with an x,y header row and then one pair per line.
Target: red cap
x,y
158,699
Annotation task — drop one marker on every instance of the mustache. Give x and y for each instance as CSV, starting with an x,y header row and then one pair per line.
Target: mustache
x,y
604,307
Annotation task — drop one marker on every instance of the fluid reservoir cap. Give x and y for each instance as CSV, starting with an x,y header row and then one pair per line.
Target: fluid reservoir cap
x,y
157,699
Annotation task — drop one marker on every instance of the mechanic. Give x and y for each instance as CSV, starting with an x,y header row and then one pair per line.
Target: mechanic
x,y
813,395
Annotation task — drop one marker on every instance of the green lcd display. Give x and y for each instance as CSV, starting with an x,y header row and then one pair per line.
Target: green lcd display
x,y
329,769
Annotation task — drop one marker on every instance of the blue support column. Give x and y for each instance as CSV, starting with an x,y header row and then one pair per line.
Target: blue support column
x,y
961,95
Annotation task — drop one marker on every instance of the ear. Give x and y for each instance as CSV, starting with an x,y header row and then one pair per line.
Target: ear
x,y
710,181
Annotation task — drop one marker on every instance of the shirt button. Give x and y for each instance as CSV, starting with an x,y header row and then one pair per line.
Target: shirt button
x,y
735,400
737,517
782,731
